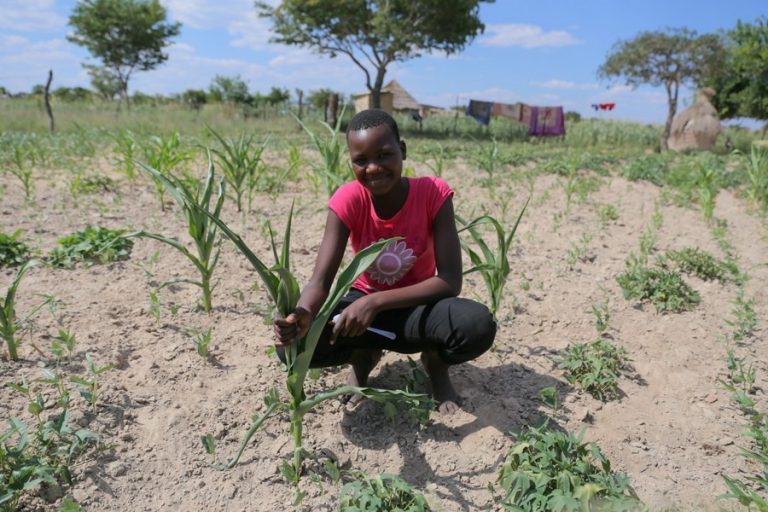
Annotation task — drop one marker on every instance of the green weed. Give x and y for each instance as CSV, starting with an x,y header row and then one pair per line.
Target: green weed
x,y
745,318
602,316
551,470
89,386
665,289
694,261
46,451
607,213
93,244
595,367
24,161
63,344
579,251
757,173
381,493
12,251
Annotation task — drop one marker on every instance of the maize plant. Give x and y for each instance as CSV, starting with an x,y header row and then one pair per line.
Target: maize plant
x,y
494,267
9,325
193,200
238,160
332,171
163,155
283,290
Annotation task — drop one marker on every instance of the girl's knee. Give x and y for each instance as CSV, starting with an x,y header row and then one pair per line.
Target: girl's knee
x,y
473,331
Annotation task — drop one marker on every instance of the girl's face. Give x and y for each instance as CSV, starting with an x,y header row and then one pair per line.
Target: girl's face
x,y
377,158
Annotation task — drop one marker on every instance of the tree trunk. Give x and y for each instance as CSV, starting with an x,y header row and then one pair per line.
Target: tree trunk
x,y
326,101
672,90
300,94
334,110
377,85
46,97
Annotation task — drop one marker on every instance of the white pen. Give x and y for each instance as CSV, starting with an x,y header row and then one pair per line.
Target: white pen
x,y
381,332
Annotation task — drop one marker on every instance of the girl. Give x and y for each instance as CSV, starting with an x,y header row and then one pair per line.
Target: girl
x,y
411,289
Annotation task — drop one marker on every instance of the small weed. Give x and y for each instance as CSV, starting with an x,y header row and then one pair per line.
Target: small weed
x,y
665,289
552,470
594,367
550,398
602,316
381,493
579,251
745,320
46,451
63,342
97,244
89,387
10,325
607,213
692,260
12,251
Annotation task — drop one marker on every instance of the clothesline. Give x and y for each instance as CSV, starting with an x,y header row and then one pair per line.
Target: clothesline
x,y
541,121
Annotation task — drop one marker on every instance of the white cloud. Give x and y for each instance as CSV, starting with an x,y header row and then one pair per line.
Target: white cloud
x,y
565,84
29,15
526,36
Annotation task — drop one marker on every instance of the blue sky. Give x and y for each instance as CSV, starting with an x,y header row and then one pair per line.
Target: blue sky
x,y
544,52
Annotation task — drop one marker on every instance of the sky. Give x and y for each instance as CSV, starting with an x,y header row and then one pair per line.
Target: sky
x,y
542,52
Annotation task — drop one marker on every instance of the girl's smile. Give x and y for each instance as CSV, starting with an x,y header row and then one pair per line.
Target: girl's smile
x,y
377,159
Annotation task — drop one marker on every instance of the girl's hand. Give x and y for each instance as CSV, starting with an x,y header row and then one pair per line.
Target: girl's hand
x,y
355,319
295,325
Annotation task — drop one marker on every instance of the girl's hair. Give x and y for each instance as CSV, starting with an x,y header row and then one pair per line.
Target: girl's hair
x,y
372,118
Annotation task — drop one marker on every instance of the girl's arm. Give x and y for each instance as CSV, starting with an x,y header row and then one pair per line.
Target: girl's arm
x,y
316,291
447,283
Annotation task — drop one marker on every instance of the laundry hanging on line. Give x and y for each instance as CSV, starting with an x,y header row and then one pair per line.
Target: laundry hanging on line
x,y
603,106
541,121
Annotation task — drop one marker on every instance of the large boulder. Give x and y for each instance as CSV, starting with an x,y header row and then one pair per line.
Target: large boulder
x,y
696,127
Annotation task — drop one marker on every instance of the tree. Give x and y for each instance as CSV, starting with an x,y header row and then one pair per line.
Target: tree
x,y
194,98
671,58
104,81
126,35
226,89
741,85
375,33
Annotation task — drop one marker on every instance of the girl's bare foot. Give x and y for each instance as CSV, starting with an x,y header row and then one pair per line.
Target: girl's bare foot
x,y
442,388
363,362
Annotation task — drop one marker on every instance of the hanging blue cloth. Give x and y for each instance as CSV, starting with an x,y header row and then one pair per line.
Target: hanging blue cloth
x,y
480,110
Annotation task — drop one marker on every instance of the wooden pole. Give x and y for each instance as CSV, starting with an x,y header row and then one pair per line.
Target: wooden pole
x,y
47,100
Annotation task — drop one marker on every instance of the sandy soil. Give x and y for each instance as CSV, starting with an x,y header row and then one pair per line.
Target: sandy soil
x,y
674,431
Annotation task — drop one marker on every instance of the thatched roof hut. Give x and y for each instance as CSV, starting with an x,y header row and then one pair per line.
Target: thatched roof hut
x,y
696,127
394,98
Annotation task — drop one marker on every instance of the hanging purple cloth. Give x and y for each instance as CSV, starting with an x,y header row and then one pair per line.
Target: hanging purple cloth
x,y
546,122
480,110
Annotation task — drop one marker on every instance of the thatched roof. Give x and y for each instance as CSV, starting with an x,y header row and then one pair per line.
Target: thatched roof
x,y
402,100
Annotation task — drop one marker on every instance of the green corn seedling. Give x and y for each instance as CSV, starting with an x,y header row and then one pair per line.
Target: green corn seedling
x,y
9,324
163,155
202,342
283,290
332,171
494,267
23,160
706,182
193,200
238,160
436,163
125,147
757,172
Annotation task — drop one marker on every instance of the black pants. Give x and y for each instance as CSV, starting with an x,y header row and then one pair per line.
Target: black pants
x,y
458,329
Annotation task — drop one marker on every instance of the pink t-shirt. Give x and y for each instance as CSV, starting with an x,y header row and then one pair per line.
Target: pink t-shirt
x,y
407,261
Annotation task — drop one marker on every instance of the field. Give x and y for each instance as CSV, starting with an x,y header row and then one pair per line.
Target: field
x,y
602,204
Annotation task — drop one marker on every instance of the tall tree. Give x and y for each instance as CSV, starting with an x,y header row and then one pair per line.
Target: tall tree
x,y
229,89
375,33
670,58
741,85
126,35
